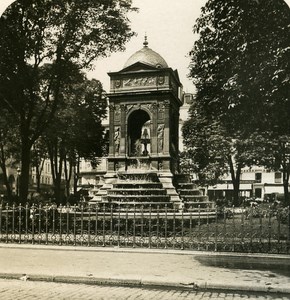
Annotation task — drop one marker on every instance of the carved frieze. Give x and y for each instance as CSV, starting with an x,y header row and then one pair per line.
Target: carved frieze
x,y
139,81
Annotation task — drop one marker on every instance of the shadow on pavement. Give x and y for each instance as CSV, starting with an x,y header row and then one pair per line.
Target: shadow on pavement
x,y
278,266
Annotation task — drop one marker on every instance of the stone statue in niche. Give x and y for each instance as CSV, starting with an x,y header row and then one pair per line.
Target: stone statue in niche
x,y
160,134
117,139
138,148
145,138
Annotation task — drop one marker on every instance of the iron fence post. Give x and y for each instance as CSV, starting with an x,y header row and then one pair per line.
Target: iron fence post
x,y
60,225
96,225
111,225
82,225
142,225
39,224
270,232
174,229
182,231
119,224
104,225
26,222
13,223
207,229
67,237
19,222
134,227
234,229
126,227
165,228
75,225
157,228
216,229
149,224
7,223
46,224
1,221
89,226
198,229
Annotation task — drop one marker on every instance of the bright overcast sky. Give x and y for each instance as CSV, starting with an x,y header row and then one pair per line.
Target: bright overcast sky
x,y
168,24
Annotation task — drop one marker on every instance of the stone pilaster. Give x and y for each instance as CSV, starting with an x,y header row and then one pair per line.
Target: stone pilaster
x,y
111,130
123,130
154,141
166,141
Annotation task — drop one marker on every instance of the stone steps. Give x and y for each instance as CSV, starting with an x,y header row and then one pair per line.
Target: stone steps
x,y
137,185
189,192
138,198
137,192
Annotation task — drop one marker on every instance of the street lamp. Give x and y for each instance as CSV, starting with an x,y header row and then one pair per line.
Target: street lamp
x,y
18,181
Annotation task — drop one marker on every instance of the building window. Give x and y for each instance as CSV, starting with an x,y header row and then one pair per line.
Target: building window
x,y
278,177
258,177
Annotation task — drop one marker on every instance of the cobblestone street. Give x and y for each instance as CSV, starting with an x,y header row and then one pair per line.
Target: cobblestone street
x,y
16,290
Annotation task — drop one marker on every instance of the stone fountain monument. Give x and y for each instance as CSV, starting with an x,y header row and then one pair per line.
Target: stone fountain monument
x,y
142,165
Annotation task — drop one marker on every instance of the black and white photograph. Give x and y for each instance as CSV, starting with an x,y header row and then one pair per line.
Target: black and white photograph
x,y
144,149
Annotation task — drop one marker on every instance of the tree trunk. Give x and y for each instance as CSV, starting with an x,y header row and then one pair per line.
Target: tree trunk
x,y
6,183
25,172
56,161
76,175
5,177
68,168
236,176
285,185
39,169
38,178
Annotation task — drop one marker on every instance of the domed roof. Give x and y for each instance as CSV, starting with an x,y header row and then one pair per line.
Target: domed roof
x,y
147,56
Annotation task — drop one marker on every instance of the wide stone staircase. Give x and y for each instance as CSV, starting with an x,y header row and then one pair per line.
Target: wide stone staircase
x,y
135,190
190,195
147,191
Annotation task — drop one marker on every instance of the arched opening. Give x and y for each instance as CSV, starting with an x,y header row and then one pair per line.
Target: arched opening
x,y
139,133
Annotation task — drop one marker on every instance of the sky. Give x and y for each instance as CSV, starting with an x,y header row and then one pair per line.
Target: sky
x,y
168,25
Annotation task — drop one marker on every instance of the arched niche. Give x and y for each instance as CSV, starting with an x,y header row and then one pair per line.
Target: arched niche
x,y
139,133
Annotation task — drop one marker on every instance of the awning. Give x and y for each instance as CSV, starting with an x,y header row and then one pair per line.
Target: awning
x,y
273,189
229,186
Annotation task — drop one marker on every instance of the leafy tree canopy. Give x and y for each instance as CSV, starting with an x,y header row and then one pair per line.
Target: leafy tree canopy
x,y
240,67
240,61
64,33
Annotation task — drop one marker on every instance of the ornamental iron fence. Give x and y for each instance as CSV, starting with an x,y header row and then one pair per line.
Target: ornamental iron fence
x,y
156,226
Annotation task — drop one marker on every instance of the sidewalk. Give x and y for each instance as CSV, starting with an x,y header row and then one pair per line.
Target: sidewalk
x,y
145,267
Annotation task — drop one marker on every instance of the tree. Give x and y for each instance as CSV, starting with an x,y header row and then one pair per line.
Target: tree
x,y
9,149
38,158
64,33
273,152
241,48
77,130
212,152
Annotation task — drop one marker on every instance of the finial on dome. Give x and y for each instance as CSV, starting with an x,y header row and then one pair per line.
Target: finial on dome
x,y
145,41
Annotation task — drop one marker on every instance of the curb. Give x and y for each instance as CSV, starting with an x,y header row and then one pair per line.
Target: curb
x,y
139,283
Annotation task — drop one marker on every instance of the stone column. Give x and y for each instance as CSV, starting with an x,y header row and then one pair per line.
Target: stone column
x,y
154,141
111,130
123,130
166,138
